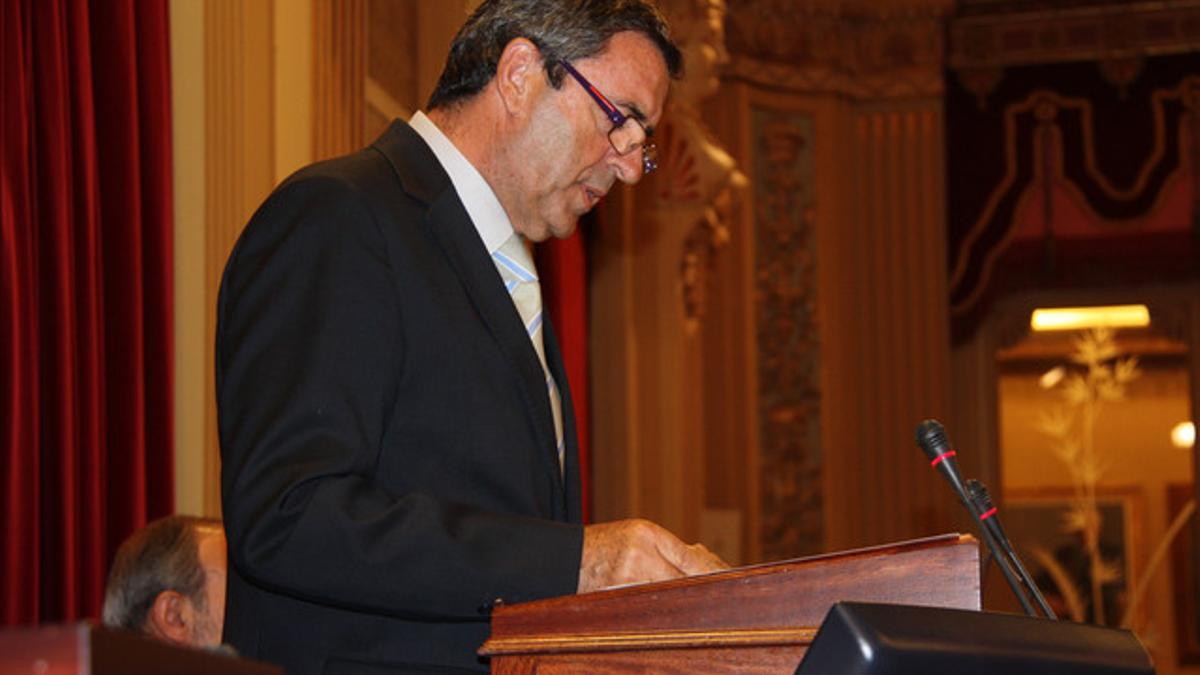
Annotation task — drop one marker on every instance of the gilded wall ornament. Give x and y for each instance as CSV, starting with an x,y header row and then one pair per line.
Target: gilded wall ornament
x,y
698,180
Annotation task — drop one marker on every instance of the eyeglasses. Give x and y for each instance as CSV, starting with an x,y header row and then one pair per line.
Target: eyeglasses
x,y
623,137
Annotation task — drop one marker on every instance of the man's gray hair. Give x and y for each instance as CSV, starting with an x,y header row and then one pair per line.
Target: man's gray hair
x,y
162,556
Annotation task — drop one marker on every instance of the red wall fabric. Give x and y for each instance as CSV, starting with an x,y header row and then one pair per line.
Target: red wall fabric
x,y
562,263
85,294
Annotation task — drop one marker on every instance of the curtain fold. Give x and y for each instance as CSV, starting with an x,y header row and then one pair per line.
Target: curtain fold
x,y
85,220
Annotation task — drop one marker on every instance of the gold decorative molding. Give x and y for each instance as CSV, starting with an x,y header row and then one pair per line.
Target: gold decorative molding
x,y
1103,32
861,50
756,637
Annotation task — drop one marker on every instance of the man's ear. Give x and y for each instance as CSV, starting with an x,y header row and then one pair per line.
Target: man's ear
x,y
519,74
168,617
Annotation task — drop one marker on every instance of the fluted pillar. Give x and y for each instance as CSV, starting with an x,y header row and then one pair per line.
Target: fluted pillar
x,y
339,76
239,164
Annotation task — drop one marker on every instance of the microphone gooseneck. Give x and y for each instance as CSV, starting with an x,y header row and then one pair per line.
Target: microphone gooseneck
x,y
989,516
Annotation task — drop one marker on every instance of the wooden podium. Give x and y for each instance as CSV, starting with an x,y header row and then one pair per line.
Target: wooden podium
x,y
85,649
757,619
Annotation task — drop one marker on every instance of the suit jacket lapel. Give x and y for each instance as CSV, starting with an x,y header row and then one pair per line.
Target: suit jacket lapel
x,y
572,495
447,221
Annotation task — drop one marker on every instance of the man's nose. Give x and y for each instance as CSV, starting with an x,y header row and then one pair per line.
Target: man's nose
x,y
628,167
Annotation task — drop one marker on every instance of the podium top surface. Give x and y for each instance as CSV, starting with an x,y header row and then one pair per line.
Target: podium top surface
x,y
941,571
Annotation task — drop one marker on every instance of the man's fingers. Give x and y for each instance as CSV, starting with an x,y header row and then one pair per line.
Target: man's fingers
x,y
638,551
693,559
700,560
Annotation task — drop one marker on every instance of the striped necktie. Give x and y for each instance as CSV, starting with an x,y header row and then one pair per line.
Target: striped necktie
x,y
520,279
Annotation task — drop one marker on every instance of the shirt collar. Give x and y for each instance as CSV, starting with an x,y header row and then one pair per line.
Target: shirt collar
x,y
477,196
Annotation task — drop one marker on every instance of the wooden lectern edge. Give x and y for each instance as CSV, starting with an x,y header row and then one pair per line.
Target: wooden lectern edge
x,y
775,567
611,642
801,636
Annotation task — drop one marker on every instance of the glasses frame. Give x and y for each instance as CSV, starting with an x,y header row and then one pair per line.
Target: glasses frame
x,y
619,119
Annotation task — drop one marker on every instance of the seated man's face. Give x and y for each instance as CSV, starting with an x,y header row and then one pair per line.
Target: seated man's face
x,y
205,629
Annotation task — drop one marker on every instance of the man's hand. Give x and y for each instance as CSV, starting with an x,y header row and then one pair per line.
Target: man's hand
x,y
636,551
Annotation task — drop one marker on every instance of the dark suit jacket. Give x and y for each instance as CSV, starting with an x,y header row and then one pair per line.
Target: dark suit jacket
x,y
389,467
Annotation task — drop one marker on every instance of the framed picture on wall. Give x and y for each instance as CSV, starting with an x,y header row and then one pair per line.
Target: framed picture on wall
x,y
1183,578
1044,527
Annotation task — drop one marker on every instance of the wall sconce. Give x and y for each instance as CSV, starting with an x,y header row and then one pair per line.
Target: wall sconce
x,y
1183,435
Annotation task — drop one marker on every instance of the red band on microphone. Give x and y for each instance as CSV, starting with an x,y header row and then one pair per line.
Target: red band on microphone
x,y
988,514
938,460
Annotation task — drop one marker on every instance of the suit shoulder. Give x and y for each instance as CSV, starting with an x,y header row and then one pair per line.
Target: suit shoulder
x,y
363,173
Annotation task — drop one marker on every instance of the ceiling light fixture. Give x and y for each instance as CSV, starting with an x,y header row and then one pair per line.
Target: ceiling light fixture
x,y
1075,318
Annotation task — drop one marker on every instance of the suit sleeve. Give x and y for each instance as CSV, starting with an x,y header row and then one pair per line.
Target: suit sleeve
x,y
308,360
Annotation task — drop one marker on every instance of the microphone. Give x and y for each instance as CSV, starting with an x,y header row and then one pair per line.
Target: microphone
x,y
990,517
932,439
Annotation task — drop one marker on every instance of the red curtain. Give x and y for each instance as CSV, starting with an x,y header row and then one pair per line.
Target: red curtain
x,y
563,263
85,295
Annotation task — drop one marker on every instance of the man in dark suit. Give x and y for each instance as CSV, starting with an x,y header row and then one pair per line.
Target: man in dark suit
x,y
397,435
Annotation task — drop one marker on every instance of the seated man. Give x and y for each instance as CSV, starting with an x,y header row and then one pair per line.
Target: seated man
x,y
168,581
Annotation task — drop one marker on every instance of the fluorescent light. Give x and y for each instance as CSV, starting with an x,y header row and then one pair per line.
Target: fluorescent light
x,y
1074,318
1183,435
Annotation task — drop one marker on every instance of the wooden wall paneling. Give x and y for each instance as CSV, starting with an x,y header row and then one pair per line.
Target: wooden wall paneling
x,y
670,375
892,248
239,161
729,352
339,76
973,424
391,43
616,409
1193,339
190,292
293,68
437,24
849,371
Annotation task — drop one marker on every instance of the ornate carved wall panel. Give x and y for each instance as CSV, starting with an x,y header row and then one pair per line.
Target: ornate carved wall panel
x,y
860,49
789,358
852,347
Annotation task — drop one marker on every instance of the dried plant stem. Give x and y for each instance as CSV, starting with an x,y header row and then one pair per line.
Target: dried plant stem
x,y
1160,552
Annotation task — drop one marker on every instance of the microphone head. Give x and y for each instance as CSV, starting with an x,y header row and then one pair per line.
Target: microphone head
x,y
931,437
979,495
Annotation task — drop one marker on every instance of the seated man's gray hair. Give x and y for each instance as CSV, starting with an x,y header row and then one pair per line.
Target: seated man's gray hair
x,y
161,556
